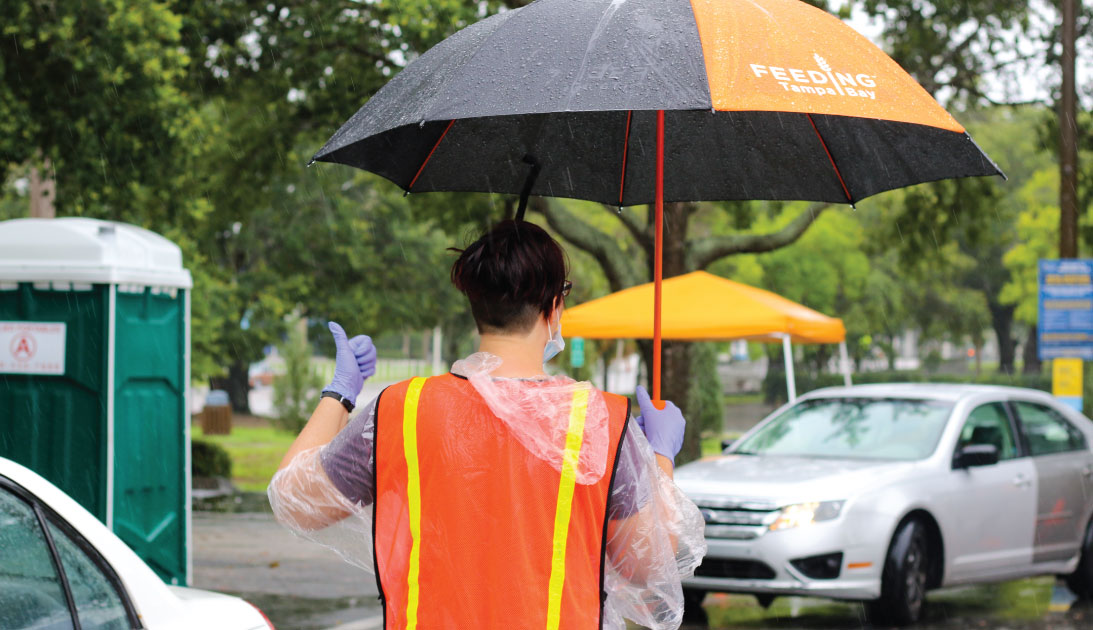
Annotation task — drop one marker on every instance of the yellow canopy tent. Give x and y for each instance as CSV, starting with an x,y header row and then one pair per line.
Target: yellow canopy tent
x,y
700,306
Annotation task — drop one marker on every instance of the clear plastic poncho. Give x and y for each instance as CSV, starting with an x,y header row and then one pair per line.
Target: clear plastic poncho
x,y
654,533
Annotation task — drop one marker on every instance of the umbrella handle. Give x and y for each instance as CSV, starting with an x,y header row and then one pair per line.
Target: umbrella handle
x,y
528,184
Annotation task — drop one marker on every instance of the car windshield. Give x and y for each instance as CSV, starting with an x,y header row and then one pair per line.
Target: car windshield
x,y
877,428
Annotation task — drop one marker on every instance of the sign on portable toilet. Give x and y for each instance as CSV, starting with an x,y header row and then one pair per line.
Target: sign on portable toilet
x,y
94,375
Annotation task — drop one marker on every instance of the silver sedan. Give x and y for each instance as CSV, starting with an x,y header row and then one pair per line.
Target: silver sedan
x,y
882,492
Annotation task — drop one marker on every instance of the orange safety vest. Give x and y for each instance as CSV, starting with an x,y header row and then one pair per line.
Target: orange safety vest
x,y
470,531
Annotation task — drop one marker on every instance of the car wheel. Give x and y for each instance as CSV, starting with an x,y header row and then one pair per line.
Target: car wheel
x,y
692,604
903,583
1081,580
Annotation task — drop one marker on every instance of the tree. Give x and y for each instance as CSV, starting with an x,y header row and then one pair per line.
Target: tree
x,y
327,240
338,245
92,87
958,50
1037,239
979,216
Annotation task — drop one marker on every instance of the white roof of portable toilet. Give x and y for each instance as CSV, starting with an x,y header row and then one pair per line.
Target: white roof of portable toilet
x,y
74,249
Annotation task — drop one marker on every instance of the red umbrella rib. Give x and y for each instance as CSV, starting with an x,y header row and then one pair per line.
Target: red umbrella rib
x,y
849,199
428,157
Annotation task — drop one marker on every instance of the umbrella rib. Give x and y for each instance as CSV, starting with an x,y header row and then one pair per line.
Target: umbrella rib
x,y
849,199
428,157
625,149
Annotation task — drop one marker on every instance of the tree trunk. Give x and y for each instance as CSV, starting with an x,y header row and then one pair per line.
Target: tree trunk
x,y
42,191
1031,353
1002,322
237,384
675,355
675,380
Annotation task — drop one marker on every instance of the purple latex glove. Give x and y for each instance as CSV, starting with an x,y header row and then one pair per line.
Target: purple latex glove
x,y
663,427
354,361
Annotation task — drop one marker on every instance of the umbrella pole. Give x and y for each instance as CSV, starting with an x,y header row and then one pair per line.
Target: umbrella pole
x,y
658,255
844,359
791,380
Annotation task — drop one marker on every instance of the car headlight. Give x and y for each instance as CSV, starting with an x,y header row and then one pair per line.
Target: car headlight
x,y
804,514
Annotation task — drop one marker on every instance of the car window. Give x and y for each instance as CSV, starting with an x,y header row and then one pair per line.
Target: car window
x,y
1047,431
875,428
31,595
988,424
97,602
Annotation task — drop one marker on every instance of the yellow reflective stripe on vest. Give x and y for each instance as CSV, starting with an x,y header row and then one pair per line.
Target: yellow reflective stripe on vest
x,y
413,495
573,438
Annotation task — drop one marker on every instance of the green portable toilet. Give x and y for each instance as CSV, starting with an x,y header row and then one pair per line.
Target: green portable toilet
x,y
95,373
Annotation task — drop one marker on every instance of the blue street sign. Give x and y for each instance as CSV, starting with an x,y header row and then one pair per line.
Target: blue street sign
x,y
1065,329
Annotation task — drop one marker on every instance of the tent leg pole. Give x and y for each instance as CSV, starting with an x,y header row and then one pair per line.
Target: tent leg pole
x,y
791,381
844,360
658,255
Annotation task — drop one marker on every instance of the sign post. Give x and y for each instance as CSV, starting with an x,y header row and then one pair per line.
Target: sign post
x,y
576,352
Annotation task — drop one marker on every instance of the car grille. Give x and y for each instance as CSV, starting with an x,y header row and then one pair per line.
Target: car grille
x,y
739,569
736,519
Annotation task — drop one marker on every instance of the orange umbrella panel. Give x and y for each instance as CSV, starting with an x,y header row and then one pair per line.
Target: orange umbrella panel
x,y
701,307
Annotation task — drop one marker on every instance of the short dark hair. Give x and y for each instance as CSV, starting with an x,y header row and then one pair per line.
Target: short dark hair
x,y
511,275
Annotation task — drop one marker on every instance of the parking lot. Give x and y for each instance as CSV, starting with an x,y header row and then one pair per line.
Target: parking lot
x,y
302,586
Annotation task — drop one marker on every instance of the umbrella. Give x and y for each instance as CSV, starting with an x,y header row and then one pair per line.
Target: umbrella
x,y
730,310
641,101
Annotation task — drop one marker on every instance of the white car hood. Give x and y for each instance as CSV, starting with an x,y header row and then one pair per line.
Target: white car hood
x,y
784,480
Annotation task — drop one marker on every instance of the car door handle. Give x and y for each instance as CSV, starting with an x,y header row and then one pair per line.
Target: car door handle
x,y
1022,481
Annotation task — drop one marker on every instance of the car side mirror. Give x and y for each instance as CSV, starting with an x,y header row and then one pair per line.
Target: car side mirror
x,y
975,455
726,444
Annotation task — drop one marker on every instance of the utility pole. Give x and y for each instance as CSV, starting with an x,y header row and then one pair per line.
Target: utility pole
x,y
1068,140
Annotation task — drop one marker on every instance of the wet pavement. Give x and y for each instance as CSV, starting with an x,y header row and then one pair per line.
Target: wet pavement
x,y
1034,604
298,584
302,586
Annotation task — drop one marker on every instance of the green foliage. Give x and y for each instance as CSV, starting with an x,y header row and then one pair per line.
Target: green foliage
x,y
209,460
1037,239
94,87
194,119
296,391
705,401
949,46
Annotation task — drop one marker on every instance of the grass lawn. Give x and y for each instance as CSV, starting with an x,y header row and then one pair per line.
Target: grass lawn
x,y
752,398
712,445
255,453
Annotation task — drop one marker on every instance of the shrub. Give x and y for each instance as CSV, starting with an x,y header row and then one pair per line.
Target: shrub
x,y
209,460
296,392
